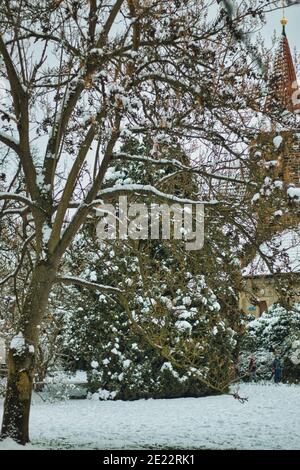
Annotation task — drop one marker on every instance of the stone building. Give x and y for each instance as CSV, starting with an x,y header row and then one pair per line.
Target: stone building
x,y
261,286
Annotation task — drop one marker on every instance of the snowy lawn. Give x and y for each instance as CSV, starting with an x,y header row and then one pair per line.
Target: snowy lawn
x,y
269,420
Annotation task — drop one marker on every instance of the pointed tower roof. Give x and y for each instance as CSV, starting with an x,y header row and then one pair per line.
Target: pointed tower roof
x,y
283,89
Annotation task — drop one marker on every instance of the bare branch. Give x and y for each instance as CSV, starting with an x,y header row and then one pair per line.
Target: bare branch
x,y
14,274
10,142
17,197
147,189
70,280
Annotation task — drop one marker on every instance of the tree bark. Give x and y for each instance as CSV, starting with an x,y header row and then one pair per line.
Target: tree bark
x,y
18,397
21,359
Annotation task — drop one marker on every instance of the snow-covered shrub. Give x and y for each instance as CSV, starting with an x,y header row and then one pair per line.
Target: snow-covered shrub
x,y
176,335
177,347
174,332
62,385
276,331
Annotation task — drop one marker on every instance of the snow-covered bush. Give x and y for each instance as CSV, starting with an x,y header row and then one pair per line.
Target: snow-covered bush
x,y
62,385
174,331
172,343
276,331
174,335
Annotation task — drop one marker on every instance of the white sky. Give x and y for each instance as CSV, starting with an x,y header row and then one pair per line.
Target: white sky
x,y
273,23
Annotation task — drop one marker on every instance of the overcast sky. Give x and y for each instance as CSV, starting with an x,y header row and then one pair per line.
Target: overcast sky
x,y
293,29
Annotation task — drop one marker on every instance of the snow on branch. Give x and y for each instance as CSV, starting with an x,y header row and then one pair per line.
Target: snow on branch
x,y
9,141
147,189
17,197
21,212
178,165
154,161
8,115
69,280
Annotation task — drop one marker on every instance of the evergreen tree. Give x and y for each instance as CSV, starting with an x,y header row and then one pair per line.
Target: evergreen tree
x,y
174,333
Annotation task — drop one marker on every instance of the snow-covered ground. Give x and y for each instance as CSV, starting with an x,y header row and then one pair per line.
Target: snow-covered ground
x,y
269,420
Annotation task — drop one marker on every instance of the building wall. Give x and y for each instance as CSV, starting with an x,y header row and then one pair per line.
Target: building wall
x,y
287,154
259,294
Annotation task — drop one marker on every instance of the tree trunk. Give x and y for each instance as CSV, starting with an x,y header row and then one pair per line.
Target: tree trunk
x,y
40,373
21,356
18,397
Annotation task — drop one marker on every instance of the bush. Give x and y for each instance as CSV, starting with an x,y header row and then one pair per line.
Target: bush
x,y
277,330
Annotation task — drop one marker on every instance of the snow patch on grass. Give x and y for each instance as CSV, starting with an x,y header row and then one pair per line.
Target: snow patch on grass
x,y
270,419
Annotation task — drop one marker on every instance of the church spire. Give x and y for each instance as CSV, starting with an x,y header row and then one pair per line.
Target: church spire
x,y
283,21
283,89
